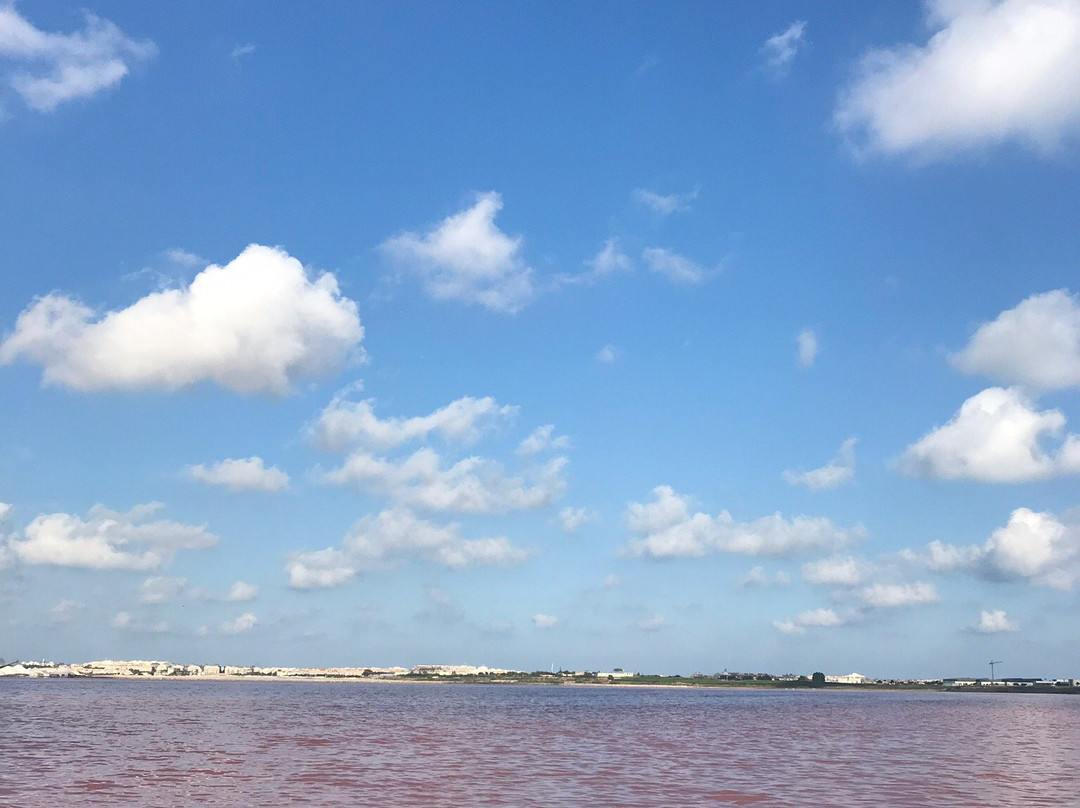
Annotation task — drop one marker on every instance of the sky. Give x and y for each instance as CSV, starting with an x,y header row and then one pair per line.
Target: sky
x,y
676,337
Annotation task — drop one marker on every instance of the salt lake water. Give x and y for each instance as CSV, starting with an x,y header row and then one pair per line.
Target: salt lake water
x,y
161,743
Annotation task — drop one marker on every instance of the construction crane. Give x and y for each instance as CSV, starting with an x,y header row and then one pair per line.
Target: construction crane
x,y
993,662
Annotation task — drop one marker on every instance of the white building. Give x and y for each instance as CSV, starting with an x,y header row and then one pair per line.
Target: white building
x,y
848,679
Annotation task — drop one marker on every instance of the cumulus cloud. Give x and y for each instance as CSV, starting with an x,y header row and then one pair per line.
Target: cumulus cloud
x,y
125,621
654,623
391,538
320,569
472,485
676,268
160,589
347,423
107,539
806,342
817,618
571,519
839,470
991,72
468,259
1033,546
608,354
65,610
994,622
1036,344
758,577
55,68
836,571
665,204
543,439
240,51
239,625
241,592
895,596
258,324
397,535
666,529
611,260
780,50
249,474
545,620
997,436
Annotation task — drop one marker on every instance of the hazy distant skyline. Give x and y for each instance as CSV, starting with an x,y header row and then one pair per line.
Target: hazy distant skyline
x,y
666,336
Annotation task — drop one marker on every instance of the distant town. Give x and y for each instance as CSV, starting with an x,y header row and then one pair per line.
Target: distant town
x,y
142,669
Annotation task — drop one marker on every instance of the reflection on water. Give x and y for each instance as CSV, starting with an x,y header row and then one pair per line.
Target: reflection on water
x,y
81,743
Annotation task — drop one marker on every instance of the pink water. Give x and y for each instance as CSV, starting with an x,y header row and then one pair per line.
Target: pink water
x,y
82,743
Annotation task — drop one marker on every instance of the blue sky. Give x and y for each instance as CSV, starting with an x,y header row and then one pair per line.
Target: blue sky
x,y
673,337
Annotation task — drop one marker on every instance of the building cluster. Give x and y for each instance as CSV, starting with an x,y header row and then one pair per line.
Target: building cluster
x,y
108,668
1010,682
145,668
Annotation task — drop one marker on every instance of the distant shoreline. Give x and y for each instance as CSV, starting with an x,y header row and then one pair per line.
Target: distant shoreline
x,y
652,683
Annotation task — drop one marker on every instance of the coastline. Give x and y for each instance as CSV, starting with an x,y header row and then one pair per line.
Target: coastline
x,y
531,682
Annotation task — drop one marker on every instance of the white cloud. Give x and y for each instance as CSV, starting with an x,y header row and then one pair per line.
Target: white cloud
x,y
654,623
571,519
543,439
609,261
836,571
839,470
124,621
941,557
183,258
160,589
817,618
239,625
991,72
608,354
994,622
894,596
108,540
1036,344
545,620
757,576
468,259
249,474
665,204
676,268
393,537
240,51
65,610
398,535
1033,546
62,67
241,592
807,352
347,423
995,437
611,580
781,48
666,529
258,324
5,511
472,485
320,569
